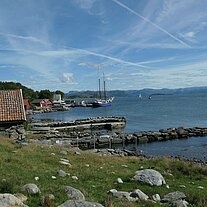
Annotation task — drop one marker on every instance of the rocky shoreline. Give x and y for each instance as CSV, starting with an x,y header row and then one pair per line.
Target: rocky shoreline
x,y
88,139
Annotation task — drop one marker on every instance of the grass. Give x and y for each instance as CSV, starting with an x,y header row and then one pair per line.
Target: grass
x,y
19,165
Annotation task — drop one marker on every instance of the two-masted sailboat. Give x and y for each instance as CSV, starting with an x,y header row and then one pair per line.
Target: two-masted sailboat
x,y
102,99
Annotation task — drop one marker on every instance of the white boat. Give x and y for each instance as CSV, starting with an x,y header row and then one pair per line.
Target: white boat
x,y
102,99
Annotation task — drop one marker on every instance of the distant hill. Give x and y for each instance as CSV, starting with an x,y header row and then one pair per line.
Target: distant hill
x,y
146,91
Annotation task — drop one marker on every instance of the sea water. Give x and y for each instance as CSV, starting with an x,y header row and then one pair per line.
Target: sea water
x,y
159,112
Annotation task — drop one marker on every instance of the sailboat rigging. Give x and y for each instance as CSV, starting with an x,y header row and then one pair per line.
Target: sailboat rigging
x,y
102,96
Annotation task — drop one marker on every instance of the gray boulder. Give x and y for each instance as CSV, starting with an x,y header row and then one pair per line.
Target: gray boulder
x,y
149,176
119,194
180,203
62,173
174,196
139,194
74,193
9,200
31,189
75,203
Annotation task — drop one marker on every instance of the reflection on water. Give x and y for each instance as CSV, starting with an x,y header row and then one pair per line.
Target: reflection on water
x,y
191,148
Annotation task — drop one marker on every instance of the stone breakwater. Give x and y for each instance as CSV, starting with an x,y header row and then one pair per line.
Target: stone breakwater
x,y
89,139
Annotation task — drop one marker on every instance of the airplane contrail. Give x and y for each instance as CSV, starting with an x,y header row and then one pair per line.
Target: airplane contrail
x,y
152,23
110,58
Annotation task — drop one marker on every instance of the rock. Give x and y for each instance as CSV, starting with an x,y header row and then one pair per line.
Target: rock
x,y
119,194
149,176
37,178
139,194
21,130
47,200
174,196
9,200
73,203
200,187
156,197
180,203
53,177
74,194
21,197
62,173
74,178
119,180
31,189
63,152
65,162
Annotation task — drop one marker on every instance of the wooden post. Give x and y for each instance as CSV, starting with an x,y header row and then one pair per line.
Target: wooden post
x,y
123,142
110,145
135,143
94,142
77,141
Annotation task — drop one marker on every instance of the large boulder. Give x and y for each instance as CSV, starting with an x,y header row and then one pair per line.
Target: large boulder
x,y
149,176
9,200
75,203
31,188
74,193
174,196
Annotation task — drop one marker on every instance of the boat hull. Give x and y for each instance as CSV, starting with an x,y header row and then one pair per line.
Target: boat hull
x,y
96,104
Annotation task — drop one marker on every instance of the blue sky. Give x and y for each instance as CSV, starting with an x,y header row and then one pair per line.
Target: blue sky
x,y
59,44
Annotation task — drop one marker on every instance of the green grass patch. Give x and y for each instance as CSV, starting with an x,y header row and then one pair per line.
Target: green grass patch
x,y
20,165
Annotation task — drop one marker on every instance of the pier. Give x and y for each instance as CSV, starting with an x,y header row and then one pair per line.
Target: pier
x,y
97,123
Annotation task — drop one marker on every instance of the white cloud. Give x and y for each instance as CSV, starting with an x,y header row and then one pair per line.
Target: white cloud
x,y
85,4
67,78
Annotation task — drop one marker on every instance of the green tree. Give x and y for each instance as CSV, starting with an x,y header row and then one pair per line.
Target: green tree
x,y
46,94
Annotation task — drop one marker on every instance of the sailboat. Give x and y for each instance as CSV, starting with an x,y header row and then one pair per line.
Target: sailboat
x,y
102,99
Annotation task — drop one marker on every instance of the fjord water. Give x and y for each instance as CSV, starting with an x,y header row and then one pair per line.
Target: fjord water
x,y
159,112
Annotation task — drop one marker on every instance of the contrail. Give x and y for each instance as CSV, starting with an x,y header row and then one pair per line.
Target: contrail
x,y
110,58
152,23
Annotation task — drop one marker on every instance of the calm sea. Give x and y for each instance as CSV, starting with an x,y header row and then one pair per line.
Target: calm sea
x,y
159,112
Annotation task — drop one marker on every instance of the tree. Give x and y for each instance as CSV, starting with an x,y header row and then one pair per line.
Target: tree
x,y
46,94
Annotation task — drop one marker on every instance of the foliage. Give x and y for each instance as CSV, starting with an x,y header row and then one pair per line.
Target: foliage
x,y
29,93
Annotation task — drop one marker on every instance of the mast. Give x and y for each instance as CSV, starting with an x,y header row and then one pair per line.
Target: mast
x,y
104,82
99,83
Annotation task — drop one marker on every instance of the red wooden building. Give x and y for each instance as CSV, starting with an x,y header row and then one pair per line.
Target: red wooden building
x,y
42,102
27,104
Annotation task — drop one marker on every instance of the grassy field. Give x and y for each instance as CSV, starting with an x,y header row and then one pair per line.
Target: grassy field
x,y
20,165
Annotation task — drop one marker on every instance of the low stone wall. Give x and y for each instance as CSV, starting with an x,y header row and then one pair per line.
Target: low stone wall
x,y
89,140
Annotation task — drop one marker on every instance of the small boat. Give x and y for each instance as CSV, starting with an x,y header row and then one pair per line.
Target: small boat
x,y
140,96
101,102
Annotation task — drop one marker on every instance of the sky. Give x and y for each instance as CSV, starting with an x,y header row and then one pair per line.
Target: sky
x,y
66,44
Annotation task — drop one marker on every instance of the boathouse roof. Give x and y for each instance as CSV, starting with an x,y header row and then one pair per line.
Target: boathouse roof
x,y
11,106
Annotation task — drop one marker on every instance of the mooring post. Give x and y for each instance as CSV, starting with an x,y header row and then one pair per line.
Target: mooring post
x,y
110,144
135,143
94,142
77,141
123,142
